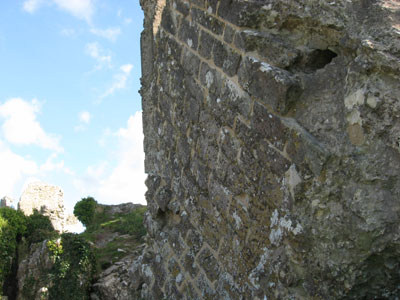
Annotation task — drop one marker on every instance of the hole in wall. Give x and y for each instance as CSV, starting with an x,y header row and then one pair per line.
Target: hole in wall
x,y
318,59
313,61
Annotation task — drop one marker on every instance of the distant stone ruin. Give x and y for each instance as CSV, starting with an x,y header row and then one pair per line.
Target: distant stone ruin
x,y
6,201
48,200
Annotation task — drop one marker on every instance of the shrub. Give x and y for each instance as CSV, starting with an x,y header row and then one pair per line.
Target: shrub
x,y
12,228
7,248
84,210
38,228
74,266
132,223
15,219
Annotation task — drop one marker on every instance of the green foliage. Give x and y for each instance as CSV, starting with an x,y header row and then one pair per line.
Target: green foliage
x,y
7,248
129,227
132,223
15,219
39,228
74,264
85,209
28,290
55,248
12,227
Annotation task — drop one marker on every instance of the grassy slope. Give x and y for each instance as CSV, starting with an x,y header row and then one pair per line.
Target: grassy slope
x,y
115,234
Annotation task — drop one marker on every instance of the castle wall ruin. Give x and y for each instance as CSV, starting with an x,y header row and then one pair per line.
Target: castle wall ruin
x,y
272,141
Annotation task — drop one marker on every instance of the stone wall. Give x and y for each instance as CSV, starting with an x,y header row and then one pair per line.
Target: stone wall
x,y
46,199
272,140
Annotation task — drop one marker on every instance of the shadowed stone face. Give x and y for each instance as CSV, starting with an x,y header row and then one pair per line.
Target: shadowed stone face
x,y
272,148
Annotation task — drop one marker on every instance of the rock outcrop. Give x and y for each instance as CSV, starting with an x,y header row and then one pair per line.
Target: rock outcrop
x,y
33,273
122,280
272,141
46,199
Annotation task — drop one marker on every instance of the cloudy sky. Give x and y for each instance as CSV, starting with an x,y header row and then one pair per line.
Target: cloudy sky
x,y
70,112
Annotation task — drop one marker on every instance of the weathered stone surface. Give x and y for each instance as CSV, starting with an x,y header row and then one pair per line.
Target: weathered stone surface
x,y
121,281
46,199
272,148
32,272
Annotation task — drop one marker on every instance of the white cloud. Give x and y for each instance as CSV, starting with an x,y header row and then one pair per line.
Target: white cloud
x,y
21,127
13,169
81,9
17,171
85,117
95,51
31,6
127,21
109,33
124,182
120,80
126,68
51,165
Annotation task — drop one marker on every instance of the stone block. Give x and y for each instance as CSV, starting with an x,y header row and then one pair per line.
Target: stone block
x,y
206,46
193,110
241,13
222,113
209,264
226,58
212,6
176,242
274,87
162,197
176,76
189,292
236,99
173,49
229,144
182,6
229,34
207,291
189,263
208,21
211,79
194,89
190,63
183,151
267,125
194,240
169,21
273,48
189,34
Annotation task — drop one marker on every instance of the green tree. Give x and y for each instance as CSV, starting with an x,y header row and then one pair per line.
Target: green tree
x,y
84,210
12,228
38,227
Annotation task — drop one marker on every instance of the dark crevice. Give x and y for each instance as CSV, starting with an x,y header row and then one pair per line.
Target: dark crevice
x,y
318,59
313,61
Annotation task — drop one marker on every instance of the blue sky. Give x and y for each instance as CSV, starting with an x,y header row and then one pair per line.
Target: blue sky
x,y
70,112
